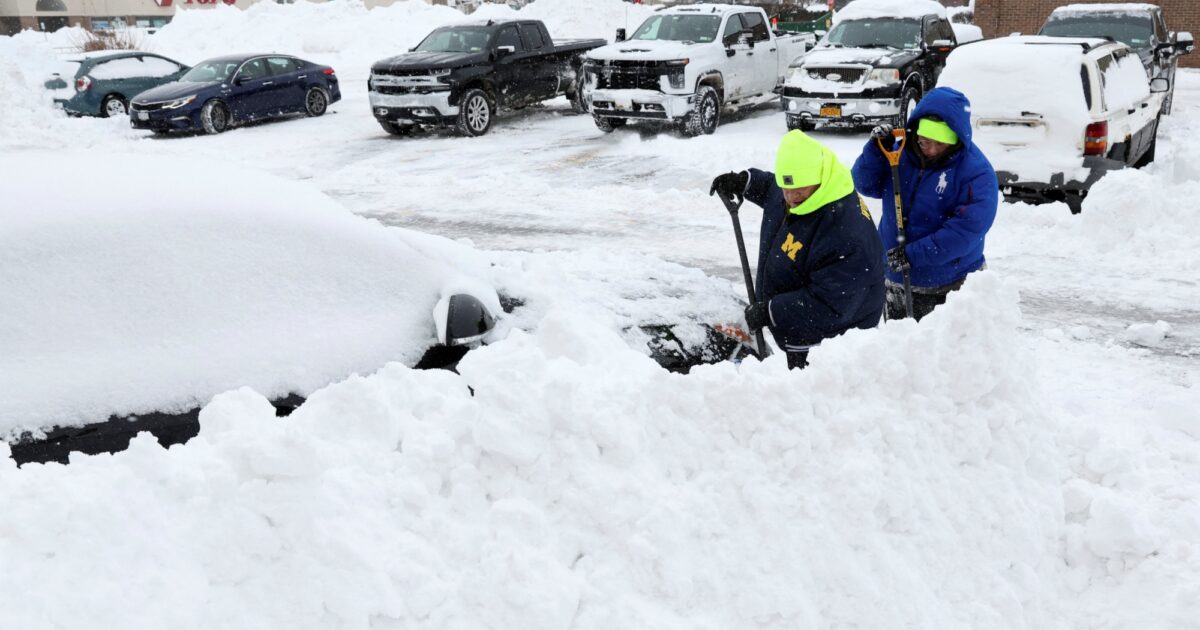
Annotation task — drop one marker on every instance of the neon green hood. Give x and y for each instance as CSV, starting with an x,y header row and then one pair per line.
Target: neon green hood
x,y
803,159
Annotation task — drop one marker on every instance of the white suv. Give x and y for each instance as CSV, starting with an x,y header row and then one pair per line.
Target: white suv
x,y
1054,114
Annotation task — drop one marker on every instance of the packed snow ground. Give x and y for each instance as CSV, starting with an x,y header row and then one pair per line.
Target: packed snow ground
x,y
1025,457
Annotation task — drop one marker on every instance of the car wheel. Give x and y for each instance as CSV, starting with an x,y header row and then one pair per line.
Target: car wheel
x,y
396,129
315,102
475,112
908,102
1148,156
578,102
214,116
114,105
705,117
608,125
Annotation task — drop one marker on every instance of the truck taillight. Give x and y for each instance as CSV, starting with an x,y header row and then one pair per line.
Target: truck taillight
x,y
1095,139
83,83
327,71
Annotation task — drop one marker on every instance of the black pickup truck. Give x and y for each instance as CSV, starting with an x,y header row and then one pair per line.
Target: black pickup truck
x,y
459,75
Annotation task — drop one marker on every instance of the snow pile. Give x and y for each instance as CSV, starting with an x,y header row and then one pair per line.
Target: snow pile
x,y
909,9
859,493
134,67
1005,78
118,302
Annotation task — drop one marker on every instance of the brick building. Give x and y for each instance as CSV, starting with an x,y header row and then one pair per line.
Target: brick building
x,y
1001,17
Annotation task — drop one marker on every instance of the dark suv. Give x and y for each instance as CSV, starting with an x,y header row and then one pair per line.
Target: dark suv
x,y
1142,27
868,68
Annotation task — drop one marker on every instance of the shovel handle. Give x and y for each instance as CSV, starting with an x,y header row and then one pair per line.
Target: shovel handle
x,y
893,157
733,205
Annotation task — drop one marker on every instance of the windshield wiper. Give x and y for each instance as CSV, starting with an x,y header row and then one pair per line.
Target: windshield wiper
x,y
876,46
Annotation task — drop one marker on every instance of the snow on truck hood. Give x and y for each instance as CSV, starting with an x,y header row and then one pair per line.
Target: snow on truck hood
x,y
643,50
120,297
879,57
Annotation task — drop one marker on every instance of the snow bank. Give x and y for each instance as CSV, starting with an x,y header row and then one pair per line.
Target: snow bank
x,y
859,493
1003,79
912,9
116,301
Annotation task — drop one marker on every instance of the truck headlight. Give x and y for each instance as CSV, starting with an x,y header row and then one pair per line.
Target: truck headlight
x,y
886,76
675,72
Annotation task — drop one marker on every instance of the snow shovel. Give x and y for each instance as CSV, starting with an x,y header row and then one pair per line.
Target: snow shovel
x,y
732,205
893,158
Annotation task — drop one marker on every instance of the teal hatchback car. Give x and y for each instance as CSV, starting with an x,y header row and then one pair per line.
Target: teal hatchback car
x,y
101,83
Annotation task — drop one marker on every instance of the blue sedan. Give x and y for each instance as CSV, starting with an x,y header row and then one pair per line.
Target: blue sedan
x,y
226,91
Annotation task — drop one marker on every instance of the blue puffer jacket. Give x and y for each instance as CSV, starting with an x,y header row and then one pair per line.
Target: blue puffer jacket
x,y
949,205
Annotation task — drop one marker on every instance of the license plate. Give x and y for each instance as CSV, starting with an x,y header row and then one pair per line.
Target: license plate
x,y
143,116
832,111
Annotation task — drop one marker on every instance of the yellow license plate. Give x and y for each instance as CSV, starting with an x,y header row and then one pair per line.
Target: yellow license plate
x,y
832,111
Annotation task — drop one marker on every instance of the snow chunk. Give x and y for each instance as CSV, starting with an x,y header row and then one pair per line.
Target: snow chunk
x,y
1149,335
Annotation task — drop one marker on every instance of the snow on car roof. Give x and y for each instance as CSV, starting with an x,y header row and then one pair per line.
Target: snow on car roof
x,y
122,298
1124,8
100,54
905,9
703,8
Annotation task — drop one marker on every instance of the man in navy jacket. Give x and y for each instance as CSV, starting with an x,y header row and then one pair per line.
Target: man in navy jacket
x,y
949,196
820,264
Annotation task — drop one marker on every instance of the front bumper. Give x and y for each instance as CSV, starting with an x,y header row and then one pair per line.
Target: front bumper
x,y
417,109
831,109
179,119
646,104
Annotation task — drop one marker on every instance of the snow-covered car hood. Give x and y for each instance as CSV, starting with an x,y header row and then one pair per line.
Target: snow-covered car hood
x,y
876,57
124,297
648,50
176,89
430,61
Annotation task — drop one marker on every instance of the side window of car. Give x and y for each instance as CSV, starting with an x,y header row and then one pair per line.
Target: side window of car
x,y
532,37
254,69
1103,64
281,65
508,37
1087,85
757,25
732,28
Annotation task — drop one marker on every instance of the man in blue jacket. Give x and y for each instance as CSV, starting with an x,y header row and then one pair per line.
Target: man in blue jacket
x,y
820,264
948,194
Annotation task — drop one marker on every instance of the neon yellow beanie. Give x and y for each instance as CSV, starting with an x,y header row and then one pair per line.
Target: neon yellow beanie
x,y
798,161
936,130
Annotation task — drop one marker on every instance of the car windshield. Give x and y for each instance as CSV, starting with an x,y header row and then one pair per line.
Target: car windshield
x,y
210,71
1134,31
881,33
455,40
679,28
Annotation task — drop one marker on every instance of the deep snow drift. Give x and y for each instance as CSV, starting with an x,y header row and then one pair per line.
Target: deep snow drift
x,y
1026,457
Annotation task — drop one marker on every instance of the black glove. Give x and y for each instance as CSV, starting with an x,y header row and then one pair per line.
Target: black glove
x,y
882,132
732,186
897,261
758,316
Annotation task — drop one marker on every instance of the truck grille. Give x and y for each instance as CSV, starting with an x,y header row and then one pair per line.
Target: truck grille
x,y
402,73
837,74
629,75
407,89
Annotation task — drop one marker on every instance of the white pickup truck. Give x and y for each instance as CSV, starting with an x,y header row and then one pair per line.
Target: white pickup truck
x,y
685,64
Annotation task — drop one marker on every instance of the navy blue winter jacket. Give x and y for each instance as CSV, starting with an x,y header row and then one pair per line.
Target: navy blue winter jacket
x,y
820,273
949,205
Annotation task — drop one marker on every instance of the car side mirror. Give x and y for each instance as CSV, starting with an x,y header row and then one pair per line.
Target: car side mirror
x,y
462,320
942,45
240,79
504,51
620,35
1184,43
1159,85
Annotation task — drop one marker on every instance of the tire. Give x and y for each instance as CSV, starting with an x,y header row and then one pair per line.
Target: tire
x,y
704,118
908,100
214,117
578,103
397,129
608,125
1148,156
114,105
475,113
796,122
315,102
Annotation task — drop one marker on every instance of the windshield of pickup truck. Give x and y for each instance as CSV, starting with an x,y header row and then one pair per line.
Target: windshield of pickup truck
x,y
881,33
458,39
679,28
1132,30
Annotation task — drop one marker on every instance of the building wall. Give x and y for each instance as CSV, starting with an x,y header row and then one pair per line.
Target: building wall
x,y
1001,17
